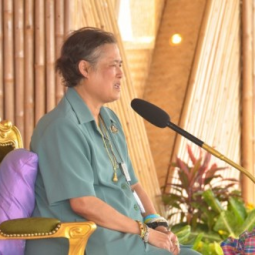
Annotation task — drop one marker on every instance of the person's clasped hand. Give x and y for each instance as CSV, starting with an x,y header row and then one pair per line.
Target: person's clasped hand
x,y
164,240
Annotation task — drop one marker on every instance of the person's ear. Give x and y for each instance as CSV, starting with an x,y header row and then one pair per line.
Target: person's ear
x,y
84,68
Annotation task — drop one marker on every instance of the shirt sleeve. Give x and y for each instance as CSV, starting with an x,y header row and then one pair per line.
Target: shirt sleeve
x,y
64,162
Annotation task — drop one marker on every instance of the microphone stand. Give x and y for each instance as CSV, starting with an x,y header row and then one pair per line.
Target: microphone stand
x,y
209,149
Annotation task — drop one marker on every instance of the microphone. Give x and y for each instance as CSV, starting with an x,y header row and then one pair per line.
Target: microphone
x,y
160,118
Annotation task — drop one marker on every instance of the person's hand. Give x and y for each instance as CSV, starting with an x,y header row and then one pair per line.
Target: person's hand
x,y
164,240
173,237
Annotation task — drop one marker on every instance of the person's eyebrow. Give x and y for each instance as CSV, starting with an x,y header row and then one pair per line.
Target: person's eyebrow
x,y
118,61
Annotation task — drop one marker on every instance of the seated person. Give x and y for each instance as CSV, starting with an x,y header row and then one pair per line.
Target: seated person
x,y
85,173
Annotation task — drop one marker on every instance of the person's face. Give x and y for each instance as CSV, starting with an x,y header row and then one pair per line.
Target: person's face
x,y
104,79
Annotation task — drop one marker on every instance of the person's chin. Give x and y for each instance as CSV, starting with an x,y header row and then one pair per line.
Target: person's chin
x,y
117,96
114,98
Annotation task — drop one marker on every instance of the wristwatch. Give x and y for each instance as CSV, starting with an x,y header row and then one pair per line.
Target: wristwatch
x,y
157,224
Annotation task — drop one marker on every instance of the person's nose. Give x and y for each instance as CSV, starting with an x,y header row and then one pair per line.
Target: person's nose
x,y
120,72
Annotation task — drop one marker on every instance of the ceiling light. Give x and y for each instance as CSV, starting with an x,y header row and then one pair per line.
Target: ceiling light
x,y
175,39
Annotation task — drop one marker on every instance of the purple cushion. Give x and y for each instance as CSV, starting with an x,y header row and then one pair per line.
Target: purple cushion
x,y
17,199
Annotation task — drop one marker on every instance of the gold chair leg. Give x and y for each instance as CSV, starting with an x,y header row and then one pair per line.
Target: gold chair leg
x,y
79,235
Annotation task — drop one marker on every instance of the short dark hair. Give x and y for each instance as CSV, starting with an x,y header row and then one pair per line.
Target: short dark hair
x,y
82,44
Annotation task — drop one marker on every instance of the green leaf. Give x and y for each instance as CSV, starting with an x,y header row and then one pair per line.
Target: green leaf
x,y
217,248
211,200
183,233
208,236
226,222
239,210
249,223
197,241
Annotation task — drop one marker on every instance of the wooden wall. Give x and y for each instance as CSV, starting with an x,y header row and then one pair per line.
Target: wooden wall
x,y
206,84
248,97
31,33
211,110
169,73
220,102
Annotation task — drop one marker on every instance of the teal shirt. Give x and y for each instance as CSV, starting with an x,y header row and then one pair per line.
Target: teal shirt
x,y
73,162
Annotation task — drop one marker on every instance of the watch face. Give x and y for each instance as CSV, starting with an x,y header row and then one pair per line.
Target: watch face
x,y
157,224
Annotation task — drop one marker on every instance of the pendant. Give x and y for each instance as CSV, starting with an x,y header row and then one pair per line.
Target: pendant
x,y
114,129
115,178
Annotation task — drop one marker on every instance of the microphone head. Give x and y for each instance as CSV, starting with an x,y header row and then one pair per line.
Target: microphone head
x,y
150,112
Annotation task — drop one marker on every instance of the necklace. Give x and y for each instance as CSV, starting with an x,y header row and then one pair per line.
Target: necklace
x,y
108,147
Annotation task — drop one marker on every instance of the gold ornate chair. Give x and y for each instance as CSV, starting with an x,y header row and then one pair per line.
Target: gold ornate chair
x,y
10,138
77,233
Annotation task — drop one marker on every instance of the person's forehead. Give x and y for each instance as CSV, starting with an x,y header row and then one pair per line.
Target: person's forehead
x,y
110,54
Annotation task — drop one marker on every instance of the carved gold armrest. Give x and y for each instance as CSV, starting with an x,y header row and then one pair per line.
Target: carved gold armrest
x,y
77,233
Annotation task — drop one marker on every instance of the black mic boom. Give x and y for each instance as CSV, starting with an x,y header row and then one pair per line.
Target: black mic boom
x,y
150,112
160,118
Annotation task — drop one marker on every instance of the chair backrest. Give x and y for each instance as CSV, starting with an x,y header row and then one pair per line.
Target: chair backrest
x,y
10,138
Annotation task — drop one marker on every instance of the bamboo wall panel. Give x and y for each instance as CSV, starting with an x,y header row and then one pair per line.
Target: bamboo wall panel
x,y
212,107
139,61
50,55
169,73
29,100
140,49
8,58
31,36
248,97
60,35
19,62
40,79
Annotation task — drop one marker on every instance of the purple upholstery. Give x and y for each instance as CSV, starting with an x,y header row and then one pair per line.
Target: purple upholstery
x,y
17,177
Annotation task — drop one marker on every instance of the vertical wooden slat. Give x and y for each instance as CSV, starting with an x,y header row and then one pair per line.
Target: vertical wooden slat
x,y
8,60
39,59
97,22
70,13
29,72
50,55
19,64
1,63
247,100
59,26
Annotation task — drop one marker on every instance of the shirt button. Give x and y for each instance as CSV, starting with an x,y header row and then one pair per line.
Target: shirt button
x,y
123,186
136,207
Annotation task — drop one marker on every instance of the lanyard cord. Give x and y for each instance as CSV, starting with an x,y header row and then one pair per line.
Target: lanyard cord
x,y
108,147
122,161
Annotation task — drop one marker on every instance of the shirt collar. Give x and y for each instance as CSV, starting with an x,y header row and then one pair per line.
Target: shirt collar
x,y
107,117
82,111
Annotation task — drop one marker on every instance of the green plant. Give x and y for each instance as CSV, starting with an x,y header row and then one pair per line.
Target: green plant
x,y
208,204
186,195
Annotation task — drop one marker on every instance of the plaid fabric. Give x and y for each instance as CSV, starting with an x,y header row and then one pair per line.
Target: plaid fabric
x,y
245,245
